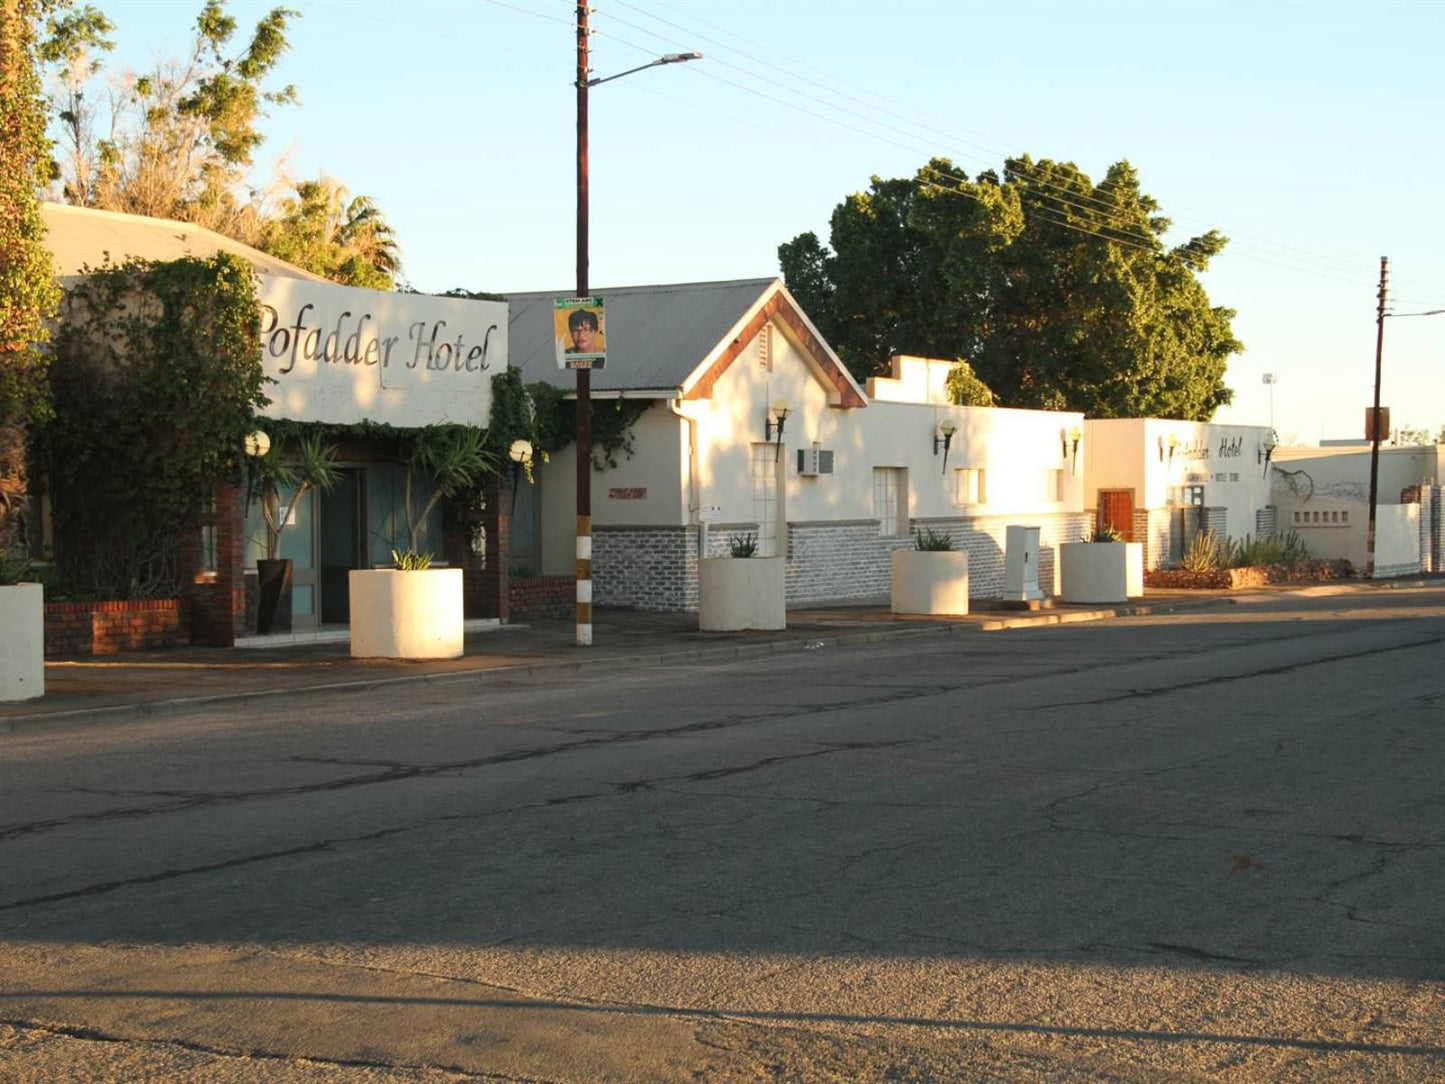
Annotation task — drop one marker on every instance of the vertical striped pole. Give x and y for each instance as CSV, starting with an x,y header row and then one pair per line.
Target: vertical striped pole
x,y
584,377
584,581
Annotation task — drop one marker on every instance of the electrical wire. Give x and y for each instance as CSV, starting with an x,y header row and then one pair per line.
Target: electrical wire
x,y
1069,197
1049,196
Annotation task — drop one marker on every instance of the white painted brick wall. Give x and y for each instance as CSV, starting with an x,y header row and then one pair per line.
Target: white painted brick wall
x,y
655,568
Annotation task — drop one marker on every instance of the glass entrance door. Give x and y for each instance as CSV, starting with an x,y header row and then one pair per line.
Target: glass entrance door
x,y
339,543
298,542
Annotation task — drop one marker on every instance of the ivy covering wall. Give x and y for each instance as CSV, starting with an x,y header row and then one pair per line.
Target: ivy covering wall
x,y
27,291
156,380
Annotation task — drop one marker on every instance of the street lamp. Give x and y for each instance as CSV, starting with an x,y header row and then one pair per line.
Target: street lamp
x,y
584,376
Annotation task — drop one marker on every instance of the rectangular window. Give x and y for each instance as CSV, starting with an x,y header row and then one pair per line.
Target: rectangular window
x,y
890,499
969,486
765,463
208,549
1053,485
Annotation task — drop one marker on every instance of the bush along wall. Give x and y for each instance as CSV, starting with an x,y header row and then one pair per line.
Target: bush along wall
x,y
155,381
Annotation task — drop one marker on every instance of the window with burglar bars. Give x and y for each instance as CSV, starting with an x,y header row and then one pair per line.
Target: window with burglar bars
x,y
765,463
890,499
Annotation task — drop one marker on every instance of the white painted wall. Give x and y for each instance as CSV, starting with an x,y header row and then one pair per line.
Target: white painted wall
x,y
1397,535
1332,528
658,466
1345,472
1014,448
1134,453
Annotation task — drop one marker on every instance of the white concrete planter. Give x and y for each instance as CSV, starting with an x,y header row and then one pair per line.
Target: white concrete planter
x,y
741,593
406,615
22,641
1101,571
930,582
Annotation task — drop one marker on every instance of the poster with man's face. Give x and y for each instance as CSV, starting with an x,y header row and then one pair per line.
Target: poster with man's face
x,y
579,329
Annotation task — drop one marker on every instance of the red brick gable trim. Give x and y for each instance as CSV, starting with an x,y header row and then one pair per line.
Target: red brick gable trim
x,y
778,307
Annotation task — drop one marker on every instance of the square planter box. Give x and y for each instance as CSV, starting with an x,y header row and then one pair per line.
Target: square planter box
x,y
22,641
406,615
930,582
736,593
1101,571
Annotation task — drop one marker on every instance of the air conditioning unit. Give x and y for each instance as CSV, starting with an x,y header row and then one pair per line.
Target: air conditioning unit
x,y
814,461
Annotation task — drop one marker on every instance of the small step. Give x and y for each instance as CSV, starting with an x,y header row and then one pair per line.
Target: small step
x,y
340,634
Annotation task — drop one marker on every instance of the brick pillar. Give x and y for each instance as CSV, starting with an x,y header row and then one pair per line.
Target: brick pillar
x,y
218,599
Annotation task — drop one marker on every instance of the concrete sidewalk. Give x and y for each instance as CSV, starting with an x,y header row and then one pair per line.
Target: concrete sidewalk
x,y
138,685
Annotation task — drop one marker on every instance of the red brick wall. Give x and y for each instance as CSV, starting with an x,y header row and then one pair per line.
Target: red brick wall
x,y
218,599
105,628
542,598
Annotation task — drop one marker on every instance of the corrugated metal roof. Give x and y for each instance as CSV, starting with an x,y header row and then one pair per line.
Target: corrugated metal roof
x,y
79,237
656,335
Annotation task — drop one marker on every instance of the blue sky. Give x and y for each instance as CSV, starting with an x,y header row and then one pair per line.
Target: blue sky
x,y
1306,132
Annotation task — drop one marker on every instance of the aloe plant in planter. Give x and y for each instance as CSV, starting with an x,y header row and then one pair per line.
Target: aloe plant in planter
x,y
275,476
930,578
413,611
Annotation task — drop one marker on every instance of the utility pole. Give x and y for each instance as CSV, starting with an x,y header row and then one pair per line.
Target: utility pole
x,y
1375,418
583,555
584,375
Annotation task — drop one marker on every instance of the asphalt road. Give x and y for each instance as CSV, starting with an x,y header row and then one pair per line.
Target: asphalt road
x,y
1202,847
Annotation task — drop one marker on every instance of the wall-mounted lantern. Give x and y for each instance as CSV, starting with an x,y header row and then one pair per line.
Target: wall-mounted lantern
x,y
1265,452
773,421
942,439
1167,447
1075,435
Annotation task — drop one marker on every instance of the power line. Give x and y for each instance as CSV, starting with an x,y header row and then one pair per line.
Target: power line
x,y
1244,243
1052,197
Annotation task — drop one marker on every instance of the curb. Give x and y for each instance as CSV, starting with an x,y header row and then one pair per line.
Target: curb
x,y
169,708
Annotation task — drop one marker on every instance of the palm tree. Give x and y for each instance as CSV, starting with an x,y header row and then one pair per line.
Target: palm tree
x,y
346,240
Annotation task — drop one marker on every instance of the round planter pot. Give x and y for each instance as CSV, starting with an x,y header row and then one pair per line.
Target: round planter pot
x,y
929,582
273,586
22,641
736,593
406,615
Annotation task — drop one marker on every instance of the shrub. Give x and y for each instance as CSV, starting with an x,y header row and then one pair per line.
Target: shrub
x,y
410,561
1268,549
1292,548
1205,553
743,545
1106,532
931,540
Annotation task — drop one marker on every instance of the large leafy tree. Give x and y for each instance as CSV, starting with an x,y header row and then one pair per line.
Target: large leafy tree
x,y
178,142
181,136
1059,291
27,291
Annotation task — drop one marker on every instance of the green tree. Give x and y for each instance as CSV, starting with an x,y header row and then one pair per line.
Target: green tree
x,y
1060,292
73,41
28,294
181,136
344,239
1420,434
179,144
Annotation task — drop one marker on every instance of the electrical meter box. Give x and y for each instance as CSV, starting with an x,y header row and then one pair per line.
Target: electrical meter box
x,y
1021,565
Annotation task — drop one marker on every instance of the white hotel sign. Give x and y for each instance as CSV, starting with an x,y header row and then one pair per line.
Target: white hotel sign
x,y
340,354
